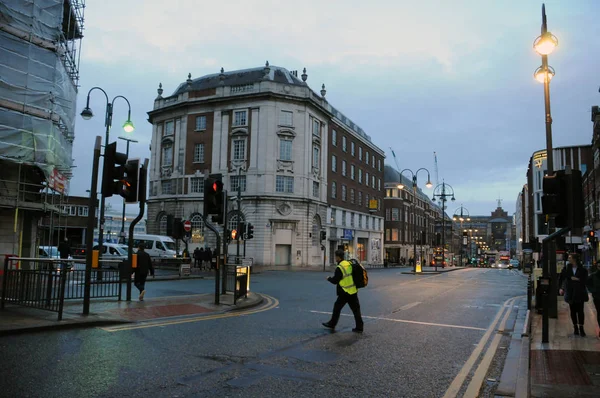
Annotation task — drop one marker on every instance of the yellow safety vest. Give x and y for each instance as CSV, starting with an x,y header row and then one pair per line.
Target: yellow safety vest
x,y
347,283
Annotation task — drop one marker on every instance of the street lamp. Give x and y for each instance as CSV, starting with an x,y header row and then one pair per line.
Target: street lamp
x,y
122,235
443,191
428,184
462,218
87,114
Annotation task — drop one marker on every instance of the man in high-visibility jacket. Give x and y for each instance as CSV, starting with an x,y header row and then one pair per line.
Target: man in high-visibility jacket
x,y
346,292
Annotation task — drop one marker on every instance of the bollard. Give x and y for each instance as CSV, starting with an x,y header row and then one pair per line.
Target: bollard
x,y
545,285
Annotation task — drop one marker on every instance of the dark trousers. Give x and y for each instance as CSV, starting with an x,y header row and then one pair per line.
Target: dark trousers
x,y
597,305
577,315
197,262
352,301
140,282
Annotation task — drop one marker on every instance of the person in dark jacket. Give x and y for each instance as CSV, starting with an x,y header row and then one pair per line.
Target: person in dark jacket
x,y
346,293
64,251
198,257
593,284
572,281
144,264
208,258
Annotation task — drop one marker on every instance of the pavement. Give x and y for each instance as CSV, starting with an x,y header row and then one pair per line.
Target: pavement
x,y
103,312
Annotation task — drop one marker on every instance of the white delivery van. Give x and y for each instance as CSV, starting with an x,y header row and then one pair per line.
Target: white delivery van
x,y
156,245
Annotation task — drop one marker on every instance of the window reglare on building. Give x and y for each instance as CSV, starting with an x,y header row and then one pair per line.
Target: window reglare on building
x,y
352,171
284,184
316,128
167,158
239,118
239,149
333,220
360,176
343,218
316,158
286,118
334,137
334,163
343,193
344,168
367,157
352,148
167,187
197,185
200,123
344,148
359,198
333,190
352,195
360,153
238,181
395,214
316,190
285,149
199,153
169,127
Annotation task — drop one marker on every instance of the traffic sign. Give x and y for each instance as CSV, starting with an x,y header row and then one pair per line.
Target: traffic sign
x,y
187,225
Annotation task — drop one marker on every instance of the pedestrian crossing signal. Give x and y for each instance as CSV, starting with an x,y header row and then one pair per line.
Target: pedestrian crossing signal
x,y
249,231
234,234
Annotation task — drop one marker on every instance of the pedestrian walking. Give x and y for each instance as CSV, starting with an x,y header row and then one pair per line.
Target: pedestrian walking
x,y
144,264
198,257
572,281
347,293
64,251
593,285
208,258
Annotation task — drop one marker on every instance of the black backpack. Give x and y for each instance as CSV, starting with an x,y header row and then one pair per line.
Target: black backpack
x,y
359,274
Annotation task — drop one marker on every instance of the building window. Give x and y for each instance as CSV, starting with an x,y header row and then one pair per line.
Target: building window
x,y
284,184
285,149
367,157
333,163
343,192
239,118
167,187
344,148
333,220
315,157
316,127
162,225
197,225
359,153
395,214
83,211
387,234
352,148
373,181
373,161
352,195
366,179
333,190
334,137
352,171
167,158
200,123
387,214
360,223
379,184
367,200
352,220
238,180
359,198
239,149
379,164
344,168
343,218
234,220
360,176
286,118
395,234
199,153
169,128
315,189
197,185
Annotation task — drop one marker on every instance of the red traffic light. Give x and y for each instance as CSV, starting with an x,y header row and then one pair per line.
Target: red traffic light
x,y
233,234
591,234
215,186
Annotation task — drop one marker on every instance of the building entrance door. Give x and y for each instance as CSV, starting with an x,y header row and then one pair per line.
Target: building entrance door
x,y
283,254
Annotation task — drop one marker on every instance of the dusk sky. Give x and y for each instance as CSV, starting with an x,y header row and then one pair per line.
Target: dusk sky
x,y
418,76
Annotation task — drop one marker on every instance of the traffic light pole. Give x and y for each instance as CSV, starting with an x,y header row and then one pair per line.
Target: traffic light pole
x,y
122,237
239,218
89,237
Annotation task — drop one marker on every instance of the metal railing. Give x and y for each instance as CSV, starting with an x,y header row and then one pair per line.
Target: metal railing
x,y
46,283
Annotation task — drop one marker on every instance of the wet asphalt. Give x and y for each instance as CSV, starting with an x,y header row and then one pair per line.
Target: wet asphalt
x,y
279,352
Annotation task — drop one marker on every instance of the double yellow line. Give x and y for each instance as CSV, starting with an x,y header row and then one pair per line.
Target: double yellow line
x,y
271,303
477,379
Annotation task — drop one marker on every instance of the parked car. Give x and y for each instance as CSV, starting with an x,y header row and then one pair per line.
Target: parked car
x,y
112,251
51,252
156,245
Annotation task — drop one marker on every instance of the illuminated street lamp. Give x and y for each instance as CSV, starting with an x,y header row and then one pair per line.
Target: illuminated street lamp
x,y
443,191
462,217
428,184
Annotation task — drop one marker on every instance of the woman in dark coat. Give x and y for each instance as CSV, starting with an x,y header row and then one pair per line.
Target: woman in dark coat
x,y
572,282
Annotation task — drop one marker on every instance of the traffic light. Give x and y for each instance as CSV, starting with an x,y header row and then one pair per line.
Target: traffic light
x,y
554,200
234,234
170,224
178,231
130,187
214,197
323,235
242,230
142,183
227,236
113,170
249,231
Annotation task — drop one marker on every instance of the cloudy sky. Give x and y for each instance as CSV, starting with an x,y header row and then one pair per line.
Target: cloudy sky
x,y
451,77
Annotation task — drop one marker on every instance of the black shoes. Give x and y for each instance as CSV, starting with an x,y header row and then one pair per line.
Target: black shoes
x,y
581,331
328,325
576,331
357,330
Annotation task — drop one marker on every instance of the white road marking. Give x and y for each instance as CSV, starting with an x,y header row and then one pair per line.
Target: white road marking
x,y
407,321
408,306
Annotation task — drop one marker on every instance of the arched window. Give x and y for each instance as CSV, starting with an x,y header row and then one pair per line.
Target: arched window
x,y
316,230
197,227
162,224
234,218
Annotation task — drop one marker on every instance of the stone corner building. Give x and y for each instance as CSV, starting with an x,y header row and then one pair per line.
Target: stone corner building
x,y
269,134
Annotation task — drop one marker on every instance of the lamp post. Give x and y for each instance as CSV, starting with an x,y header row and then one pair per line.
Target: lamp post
x,y
87,114
428,184
122,236
462,217
443,191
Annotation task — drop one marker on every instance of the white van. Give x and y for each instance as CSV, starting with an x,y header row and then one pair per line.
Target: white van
x,y
156,245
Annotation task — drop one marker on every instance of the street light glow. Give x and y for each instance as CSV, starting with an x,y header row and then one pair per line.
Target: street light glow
x,y
545,43
87,113
540,74
128,126
400,186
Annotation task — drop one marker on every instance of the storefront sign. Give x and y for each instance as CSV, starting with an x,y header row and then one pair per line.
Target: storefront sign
x,y
347,234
